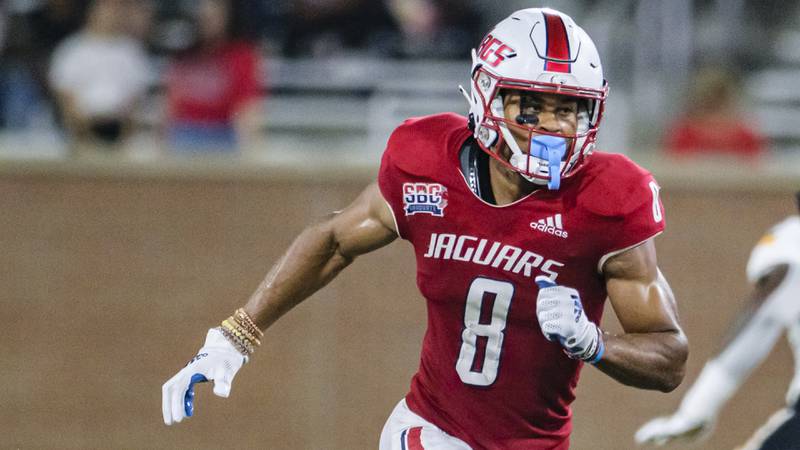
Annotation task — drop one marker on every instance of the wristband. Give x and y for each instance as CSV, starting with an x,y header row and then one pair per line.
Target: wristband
x,y
601,348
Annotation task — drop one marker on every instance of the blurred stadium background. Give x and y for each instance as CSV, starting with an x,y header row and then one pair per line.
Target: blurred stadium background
x,y
118,254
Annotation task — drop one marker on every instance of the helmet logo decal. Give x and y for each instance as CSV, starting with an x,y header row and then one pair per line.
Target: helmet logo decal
x,y
493,51
557,44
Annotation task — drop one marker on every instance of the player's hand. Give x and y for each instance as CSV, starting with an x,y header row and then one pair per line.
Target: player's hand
x,y
562,319
217,360
662,430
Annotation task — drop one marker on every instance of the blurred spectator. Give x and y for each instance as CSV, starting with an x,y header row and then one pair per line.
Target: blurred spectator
x,y
33,30
329,27
140,15
398,28
712,123
99,75
435,28
53,21
3,19
214,88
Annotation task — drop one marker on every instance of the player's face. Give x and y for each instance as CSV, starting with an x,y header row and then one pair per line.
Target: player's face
x,y
534,111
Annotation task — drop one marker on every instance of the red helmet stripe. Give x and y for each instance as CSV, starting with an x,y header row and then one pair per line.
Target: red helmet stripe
x,y
557,44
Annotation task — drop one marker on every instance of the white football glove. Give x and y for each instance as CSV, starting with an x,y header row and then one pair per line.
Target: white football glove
x,y
699,408
217,360
662,430
562,319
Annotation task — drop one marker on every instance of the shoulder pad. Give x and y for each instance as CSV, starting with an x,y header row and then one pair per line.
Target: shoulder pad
x,y
420,143
778,246
614,186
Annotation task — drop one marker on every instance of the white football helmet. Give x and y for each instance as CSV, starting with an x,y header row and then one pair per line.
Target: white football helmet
x,y
543,50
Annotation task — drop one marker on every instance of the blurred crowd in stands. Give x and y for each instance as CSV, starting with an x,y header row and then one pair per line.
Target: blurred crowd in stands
x,y
88,65
712,122
89,68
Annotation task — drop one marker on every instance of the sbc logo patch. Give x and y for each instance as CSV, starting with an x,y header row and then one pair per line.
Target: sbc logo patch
x,y
424,198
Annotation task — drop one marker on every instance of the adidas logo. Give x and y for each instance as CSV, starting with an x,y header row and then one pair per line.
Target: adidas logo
x,y
551,225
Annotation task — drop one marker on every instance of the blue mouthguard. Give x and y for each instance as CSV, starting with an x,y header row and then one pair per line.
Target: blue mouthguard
x,y
552,149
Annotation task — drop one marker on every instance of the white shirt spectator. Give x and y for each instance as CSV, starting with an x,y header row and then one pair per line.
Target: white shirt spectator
x,y
104,74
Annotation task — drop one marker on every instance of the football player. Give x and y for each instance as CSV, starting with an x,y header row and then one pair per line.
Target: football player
x,y
520,232
772,307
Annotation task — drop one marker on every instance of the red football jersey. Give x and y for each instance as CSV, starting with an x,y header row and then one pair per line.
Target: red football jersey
x,y
487,375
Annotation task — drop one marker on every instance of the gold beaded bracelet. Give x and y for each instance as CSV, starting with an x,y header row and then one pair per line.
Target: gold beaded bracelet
x,y
233,325
238,337
245,320
232,339
242,332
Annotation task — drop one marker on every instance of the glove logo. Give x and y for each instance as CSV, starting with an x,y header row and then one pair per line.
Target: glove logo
x,y
197,357
577,308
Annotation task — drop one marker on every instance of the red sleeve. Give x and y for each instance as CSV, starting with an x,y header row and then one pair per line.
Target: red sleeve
x,y
640,218
624,205
414,162
391,176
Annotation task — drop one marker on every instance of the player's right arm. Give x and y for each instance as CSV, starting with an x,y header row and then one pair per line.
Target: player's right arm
x,y
315,257
320,252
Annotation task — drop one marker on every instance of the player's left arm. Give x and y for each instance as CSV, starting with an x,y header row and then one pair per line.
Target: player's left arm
x,y
651,353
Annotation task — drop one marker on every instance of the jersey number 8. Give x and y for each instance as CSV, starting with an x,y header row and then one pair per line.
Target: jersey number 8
x,y
484,334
